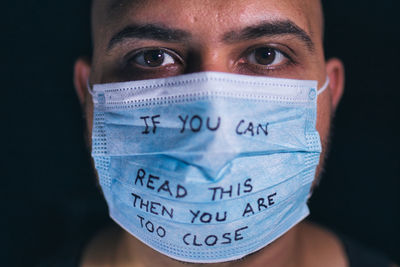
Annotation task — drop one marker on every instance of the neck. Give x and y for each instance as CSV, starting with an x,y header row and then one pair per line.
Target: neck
x,y
284,252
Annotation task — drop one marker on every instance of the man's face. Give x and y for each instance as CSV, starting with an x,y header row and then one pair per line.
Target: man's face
x,y
135,40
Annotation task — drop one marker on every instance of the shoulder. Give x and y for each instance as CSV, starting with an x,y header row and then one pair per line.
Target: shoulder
x,y
352,253
321,247
87,249
100,250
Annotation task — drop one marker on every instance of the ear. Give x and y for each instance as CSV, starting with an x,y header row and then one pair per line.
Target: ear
x,y
335,71
81,76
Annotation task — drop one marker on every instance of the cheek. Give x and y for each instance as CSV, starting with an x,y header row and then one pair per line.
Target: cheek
x,y
324,115
324,111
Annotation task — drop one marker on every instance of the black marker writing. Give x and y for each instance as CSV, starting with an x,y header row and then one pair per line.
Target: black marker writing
x,y
149,226
262,204
242,129
220,192
153,121
197,240
153,207
195,123
162,186
206,217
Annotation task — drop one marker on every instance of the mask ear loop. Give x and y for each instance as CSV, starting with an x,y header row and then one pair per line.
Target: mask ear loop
x,y
322,89
90,90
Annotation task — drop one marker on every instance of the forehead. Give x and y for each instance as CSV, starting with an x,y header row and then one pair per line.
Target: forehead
x,y
109,15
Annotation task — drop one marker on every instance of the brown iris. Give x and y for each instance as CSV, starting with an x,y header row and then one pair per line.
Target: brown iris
x,y
264,55
153,58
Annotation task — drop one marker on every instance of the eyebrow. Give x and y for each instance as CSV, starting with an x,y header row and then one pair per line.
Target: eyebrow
x,y
149,31
270,28
165,34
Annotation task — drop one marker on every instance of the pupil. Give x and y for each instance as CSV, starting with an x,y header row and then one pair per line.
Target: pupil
x,y
265,55
154,58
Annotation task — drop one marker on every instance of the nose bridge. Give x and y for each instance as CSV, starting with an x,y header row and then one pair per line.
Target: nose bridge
x,y
215,60
209,59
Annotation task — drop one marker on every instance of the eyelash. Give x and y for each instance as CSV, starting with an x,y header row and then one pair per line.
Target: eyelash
x,y
263,68
242,63
134,54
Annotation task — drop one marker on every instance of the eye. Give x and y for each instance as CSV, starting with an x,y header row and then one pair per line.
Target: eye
x,y
266,56
153,58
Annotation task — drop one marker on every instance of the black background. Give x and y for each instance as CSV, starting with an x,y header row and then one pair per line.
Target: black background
x,y
48,192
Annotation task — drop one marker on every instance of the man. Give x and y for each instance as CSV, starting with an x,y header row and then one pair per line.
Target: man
x,y
142,40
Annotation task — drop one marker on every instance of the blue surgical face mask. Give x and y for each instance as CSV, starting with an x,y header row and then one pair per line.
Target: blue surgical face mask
x,y
206,167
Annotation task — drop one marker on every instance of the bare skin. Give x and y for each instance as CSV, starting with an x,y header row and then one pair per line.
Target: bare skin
x,y
304,245
211,39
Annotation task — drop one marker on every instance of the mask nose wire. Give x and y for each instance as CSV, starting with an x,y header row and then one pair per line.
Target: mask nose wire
x,y
90,90
322,89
